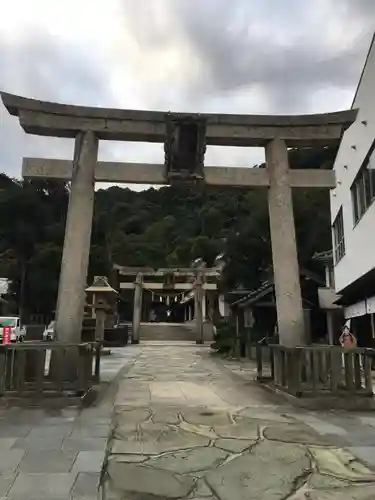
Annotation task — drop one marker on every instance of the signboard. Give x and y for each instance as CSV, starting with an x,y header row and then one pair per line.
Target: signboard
x,y
169,281
4,286
185,147
6,334
355,310
370,305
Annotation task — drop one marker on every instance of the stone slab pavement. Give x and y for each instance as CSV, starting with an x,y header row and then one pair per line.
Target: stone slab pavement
x,y
187,426
57,454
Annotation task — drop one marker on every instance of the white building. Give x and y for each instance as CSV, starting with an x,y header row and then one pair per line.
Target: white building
x,y
353,210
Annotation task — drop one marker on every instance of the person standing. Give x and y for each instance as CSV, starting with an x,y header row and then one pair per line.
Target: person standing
x,y
347,339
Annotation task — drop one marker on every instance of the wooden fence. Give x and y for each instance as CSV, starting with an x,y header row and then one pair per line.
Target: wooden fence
x,y
243,346
48,368
318,370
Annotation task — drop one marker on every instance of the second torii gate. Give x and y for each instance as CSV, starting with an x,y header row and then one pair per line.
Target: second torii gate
x,y
197,285
198,281
185,137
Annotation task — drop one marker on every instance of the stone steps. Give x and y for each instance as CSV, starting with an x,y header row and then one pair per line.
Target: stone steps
x,y
166,331
173,331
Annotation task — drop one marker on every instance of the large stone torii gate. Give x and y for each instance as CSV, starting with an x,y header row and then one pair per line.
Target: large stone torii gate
x,y
185,137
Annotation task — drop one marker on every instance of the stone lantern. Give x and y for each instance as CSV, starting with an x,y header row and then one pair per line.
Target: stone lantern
x,y
103,298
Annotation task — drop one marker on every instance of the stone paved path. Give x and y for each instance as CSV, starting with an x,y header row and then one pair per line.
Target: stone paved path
x,y
57,454
185,426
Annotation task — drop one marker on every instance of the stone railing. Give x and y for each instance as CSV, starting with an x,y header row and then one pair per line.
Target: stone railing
x,y
318,370
38,368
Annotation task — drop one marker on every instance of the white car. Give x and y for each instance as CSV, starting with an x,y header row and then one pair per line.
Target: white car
x,y
49,332
17,332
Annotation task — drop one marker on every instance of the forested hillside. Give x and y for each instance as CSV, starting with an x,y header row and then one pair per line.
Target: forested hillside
x,y
158,227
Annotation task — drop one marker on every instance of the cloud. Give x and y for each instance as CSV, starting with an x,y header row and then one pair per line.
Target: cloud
x,y
263,56
284,53
38,66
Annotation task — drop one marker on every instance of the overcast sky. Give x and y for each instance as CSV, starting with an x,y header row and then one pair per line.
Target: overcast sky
x,y
235,56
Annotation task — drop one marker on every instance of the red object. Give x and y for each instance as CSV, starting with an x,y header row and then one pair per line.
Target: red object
x,y
6,334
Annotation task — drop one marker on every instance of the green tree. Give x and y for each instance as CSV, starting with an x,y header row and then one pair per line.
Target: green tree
x,y
30,213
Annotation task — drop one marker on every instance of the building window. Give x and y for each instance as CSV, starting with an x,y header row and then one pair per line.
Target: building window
x,y
338,236
363,188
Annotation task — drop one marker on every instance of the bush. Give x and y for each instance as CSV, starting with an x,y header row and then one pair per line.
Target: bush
x,y
225,336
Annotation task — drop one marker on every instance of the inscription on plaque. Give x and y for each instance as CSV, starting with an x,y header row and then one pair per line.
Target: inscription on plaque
x,y
185,147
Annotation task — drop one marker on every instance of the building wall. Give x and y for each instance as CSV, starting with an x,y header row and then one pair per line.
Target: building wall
x,y
359,255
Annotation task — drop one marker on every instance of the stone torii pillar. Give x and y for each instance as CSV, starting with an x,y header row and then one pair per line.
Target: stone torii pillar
x,y
289,308
76,251
137,308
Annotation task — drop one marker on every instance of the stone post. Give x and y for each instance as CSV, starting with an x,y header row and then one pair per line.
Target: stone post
x,y
137,311
290,316
101,309
198,298
75,258
331,327
101,314
204,306
211,306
